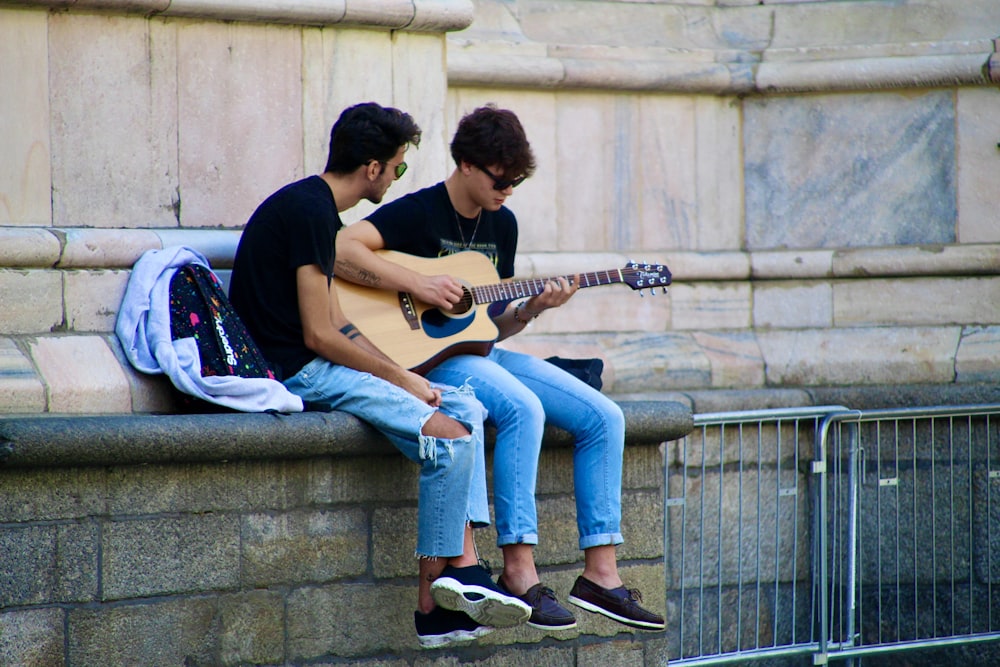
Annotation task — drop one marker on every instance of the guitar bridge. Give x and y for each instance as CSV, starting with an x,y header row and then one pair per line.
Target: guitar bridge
x,y
409,310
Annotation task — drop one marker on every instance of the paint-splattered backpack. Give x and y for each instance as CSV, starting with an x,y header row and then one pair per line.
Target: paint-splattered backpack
x,y
200,309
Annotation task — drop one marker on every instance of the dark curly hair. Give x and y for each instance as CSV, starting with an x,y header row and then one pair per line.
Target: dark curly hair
x,y
366,132
490,136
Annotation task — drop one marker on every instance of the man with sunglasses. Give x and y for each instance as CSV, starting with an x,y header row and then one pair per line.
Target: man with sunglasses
x,y
521,392
282,287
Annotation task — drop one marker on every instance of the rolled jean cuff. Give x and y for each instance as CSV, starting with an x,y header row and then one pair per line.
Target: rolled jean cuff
x,y
529,538
600,540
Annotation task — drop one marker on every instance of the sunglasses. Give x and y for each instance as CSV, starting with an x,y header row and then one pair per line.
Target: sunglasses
x,y
500,183
399,169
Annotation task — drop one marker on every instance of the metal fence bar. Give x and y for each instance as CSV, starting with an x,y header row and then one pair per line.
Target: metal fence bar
x,y
752,595
879,539
923,480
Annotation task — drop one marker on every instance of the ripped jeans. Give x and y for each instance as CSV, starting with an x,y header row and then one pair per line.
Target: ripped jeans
x,y
452,484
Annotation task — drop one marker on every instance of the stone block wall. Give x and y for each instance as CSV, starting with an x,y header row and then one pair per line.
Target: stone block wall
x,y
277,562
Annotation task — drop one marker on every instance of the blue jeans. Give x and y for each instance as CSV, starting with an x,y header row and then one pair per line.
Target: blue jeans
x,y
521,393
452,487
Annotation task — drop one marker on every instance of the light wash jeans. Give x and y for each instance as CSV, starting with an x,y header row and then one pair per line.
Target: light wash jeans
x,y
521,393
452,472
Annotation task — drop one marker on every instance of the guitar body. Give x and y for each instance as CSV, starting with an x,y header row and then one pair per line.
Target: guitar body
x,y
414,334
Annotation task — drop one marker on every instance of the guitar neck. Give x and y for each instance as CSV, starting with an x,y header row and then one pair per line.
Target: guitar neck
x,y
519,289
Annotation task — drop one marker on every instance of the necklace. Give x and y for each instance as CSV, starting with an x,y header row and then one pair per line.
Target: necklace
x,y
474,230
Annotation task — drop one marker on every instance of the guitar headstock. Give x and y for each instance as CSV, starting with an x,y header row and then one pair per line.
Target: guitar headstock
x,y
639,275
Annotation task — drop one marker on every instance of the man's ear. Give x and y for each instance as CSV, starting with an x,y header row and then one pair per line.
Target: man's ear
x,y
373,170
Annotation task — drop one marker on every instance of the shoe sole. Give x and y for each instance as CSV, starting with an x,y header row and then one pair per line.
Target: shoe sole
x,y
541,626
437,641
641,625
493,608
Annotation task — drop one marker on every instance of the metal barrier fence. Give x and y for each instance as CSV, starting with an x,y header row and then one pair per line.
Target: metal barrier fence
x,y
832,534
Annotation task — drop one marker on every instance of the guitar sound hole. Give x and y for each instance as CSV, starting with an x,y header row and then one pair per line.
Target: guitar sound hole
x,y
464,305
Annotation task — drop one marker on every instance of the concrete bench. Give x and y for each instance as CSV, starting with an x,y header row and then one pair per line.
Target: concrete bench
x,y
124,439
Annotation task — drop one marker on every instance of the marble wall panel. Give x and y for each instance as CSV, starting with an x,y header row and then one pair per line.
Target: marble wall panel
x,y
114,108
92,299
21,389
860,355
917,301
792,305
31,301
876,24
850,170
977,356
239,103
700,306
718,161
82,375
25,197
585,129
654,175
978,165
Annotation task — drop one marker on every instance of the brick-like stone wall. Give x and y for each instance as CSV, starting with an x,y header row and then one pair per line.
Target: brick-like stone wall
x,y
278,562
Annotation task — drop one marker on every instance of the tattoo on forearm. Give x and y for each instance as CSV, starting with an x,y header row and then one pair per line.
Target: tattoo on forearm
x,y
356,273
350,331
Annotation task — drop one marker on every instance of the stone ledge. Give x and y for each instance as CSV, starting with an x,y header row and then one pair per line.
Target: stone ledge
x,y
94,440
417,15
87,373
87,248
874,397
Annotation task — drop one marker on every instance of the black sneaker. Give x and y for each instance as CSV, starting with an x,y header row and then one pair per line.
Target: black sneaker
x,y
546,612
621,604
443,626
471,590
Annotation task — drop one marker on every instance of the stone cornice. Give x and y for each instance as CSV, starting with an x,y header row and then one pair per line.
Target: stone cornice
x,y
475,63
414,15
733,49
118,249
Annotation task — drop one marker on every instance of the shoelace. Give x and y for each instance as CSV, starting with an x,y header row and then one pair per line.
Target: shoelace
x,y
543,591
634,595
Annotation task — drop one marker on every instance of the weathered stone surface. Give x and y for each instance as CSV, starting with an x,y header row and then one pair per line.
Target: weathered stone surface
x,y
168,555
81,375
21,390
31,300
127,131
845,356
33,637
729,527
302,545
234,629
825,192
25,141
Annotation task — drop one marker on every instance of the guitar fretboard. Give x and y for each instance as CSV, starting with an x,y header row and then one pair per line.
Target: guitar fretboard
x,y
526,288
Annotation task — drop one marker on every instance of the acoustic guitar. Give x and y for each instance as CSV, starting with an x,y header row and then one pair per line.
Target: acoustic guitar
x,y
418,336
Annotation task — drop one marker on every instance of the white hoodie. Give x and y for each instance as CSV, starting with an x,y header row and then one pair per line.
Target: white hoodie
x,y
143,327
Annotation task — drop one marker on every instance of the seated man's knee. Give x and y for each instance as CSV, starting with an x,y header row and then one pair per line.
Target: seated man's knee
x,y
441,425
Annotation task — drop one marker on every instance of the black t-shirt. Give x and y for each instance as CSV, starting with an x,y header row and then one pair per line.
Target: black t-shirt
x,y
424,223
296,226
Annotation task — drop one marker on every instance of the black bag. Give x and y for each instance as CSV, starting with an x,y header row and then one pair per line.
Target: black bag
x,y
200,309
588,370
